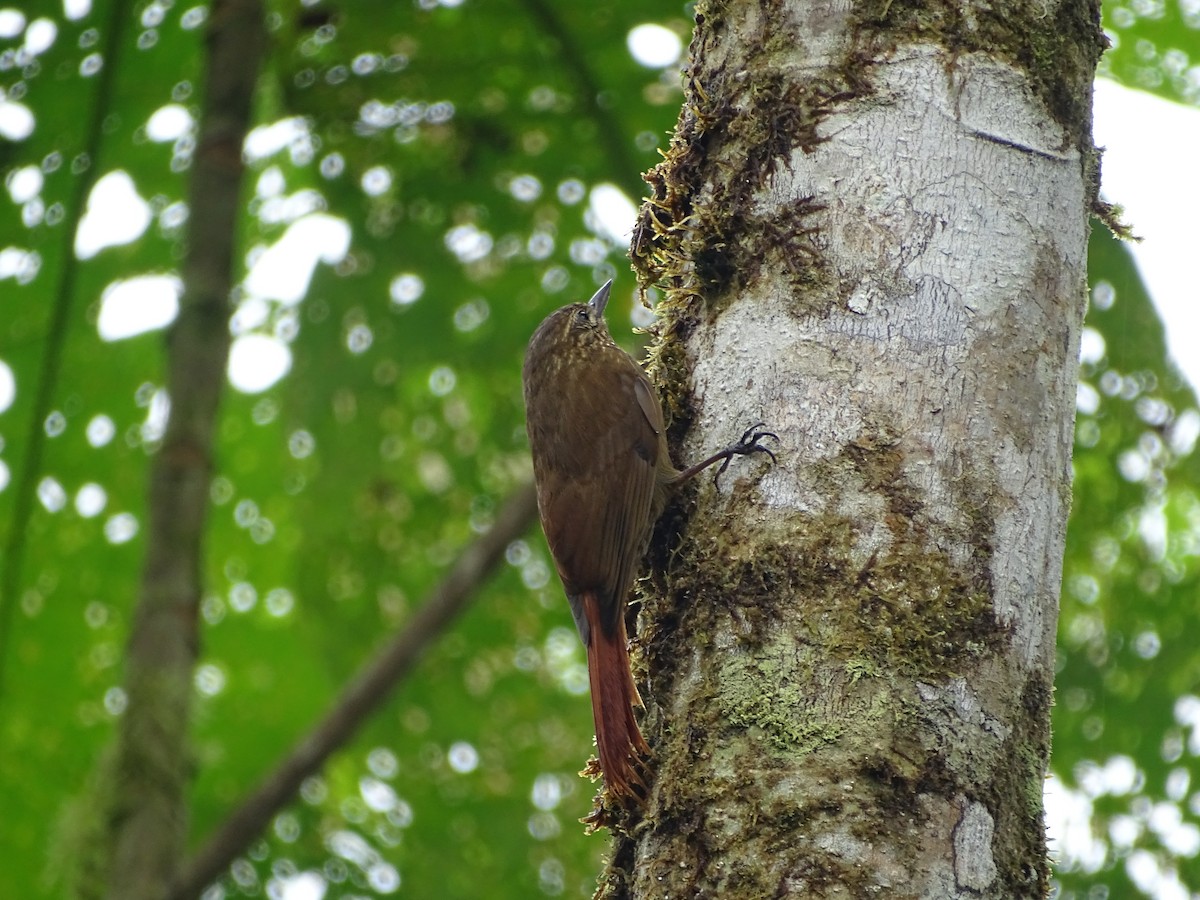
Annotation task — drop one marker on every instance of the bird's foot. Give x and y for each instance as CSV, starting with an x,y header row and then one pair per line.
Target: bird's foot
x,y
750,442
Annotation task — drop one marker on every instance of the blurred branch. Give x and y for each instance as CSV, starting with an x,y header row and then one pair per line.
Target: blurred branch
x,y
56,331
152,762
360,698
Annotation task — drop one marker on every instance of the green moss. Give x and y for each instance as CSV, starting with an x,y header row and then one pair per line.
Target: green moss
x,y
1014,797
769,697
909,609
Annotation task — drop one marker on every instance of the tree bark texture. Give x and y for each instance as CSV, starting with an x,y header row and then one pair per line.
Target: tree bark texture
x,y
871,232
152,762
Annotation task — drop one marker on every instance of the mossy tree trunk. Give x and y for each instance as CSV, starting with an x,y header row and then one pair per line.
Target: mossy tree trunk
x,y
870,230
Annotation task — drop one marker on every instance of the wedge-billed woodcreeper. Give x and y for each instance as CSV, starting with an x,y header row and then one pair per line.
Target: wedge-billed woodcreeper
x,y
603,475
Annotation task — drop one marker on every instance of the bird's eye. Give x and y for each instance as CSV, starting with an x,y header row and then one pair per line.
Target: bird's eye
x,y
582,317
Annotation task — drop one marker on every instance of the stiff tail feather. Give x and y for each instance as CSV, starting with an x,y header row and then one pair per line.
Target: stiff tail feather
x,y
619,742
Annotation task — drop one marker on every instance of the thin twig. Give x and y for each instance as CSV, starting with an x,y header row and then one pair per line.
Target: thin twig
x,y
360,698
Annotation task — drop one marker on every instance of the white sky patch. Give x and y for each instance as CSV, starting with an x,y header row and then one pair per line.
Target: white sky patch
x,y
251,313
39,36
90,500
283,208
377,181
284,270
51,494
304,886
611,213
1069,827
257,361
12,23
16,120
116,214
76,9
406,289
270,183
19,264
1149,169
463,757
1091,346
653,46
138,305
265,140
121,528
100,430
24,183
158,412
169,123
8,386
468,243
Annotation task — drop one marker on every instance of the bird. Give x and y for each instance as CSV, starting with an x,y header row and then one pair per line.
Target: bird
x,y
603,475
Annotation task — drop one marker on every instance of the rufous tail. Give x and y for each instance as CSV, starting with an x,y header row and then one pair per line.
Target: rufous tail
x,y
619,742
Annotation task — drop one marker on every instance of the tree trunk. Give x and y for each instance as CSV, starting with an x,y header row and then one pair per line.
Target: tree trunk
x,y
152,763
871,232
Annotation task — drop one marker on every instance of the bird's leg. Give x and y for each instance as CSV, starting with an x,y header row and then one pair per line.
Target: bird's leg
x,y
749,443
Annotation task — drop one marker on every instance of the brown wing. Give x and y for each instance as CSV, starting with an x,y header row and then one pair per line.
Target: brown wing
x,y
650,407
597,471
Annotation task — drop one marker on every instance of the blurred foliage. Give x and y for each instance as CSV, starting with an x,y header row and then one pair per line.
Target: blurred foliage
x,y
464,144
1155,46
1127,721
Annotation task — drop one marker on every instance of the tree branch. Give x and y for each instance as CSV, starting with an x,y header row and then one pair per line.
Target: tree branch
x,y
360,698
149,819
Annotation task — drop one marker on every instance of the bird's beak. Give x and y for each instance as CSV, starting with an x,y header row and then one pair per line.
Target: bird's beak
x,y
600,298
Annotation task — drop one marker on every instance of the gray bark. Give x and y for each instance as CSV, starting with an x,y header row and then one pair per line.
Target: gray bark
x,y
871,232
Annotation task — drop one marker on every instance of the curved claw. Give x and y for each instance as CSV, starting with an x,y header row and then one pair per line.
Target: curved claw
x,y
748,444
753,428
750,441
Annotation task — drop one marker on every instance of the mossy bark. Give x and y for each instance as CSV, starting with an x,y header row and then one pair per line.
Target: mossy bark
x,y
870,232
